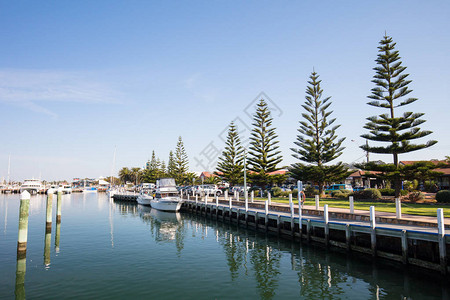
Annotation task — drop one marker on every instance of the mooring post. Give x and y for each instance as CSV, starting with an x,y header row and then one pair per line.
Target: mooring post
x,y
217,201
269,198
246,205
196,199
404,247
308,230
291,205
226,194
47,246
266,211
348,236
58,205
300,225
398,208
326,228
206,200
23,225
252,196
48,220
237,196
230,203
352,205
299,190
188,196
317,202
441,239
21,269
373,235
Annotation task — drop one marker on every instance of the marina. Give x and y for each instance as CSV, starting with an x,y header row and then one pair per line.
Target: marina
x,y
98,236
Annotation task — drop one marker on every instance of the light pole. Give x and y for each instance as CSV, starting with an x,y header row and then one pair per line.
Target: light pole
x,y
245,173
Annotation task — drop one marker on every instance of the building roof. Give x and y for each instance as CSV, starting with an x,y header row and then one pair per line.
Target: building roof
x,y
361,173
410,162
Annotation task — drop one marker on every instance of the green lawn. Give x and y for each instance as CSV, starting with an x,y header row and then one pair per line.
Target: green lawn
x,y
407,208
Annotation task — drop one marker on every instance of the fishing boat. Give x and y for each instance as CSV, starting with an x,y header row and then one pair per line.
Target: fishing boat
x,y
166,197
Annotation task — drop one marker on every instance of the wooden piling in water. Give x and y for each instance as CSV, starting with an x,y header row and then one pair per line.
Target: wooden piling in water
x,y
58,206
373,235
48,220
23,225
441,241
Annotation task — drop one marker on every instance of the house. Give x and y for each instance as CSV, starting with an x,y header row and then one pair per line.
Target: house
x,y
443,180
364,178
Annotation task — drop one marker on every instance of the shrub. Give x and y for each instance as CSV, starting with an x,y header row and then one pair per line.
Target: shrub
x,y
443,196
415,196
341,194
294,192
403,192
368,194
276,191
310,191
387,192
285,194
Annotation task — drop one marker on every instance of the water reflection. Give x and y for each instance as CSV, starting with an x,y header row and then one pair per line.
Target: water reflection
x,y
21,268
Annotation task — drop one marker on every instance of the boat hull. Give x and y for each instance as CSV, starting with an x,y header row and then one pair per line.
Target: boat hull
x,y
144,200
166,204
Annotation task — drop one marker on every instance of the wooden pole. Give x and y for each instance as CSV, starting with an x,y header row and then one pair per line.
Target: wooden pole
x,y
398,208
48,220
58,205
23,225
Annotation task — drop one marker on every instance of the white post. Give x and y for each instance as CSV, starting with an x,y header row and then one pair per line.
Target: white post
x,y
440,221
398,208
252,195
226,194
246,204
317,202
237,196
266,207
217,200
291,205
206,198
352,205
196,198
269,198
299,190
325,213
372,216
231,202
188,196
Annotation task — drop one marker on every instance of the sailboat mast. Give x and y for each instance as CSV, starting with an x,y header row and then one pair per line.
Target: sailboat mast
x,y
9,166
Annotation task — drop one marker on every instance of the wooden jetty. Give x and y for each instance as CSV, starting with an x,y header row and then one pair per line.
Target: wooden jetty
x,y
425,247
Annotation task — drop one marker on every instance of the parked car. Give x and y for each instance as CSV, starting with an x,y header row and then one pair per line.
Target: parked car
x,y
336,187
358,188
239,189
208,189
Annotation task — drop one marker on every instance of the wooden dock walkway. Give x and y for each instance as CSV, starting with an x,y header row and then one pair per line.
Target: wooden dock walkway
x,y
418,245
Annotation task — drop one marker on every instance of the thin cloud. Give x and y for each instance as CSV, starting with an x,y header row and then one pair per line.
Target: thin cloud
x,y
32,89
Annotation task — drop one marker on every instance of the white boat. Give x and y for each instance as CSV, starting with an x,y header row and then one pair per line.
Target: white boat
x,y
167,197
33,186
145,197
67,189
90,189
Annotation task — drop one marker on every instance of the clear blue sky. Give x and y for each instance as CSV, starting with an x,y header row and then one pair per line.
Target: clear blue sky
x,y
79,78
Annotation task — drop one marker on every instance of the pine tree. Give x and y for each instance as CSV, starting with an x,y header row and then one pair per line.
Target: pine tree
x,y
171,165
181,161
317,142
152,172
231,161
389,93
263,151
163,169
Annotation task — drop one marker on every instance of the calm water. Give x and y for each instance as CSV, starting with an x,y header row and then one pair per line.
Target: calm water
x,y
114,250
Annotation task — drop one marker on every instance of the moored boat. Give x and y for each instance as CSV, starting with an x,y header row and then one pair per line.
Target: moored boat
x,y
167,197
145,197
33,186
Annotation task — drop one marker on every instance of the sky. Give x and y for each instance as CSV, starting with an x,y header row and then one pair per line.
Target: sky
x,y
82,80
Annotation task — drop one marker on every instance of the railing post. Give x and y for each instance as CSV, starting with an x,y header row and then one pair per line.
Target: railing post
x,y
226,194
252,195
269,198
398,208
326,228
441,240
266,210
352,205
291,205
317,202
217,200
373,236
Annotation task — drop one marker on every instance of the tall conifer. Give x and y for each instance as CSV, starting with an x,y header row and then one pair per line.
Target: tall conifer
x,y
231,161
317,142
263,151
392,127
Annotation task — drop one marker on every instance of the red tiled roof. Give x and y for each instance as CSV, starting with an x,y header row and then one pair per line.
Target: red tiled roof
x,y
361,173
410,162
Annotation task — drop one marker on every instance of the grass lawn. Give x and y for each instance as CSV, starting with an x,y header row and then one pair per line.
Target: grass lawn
x,y
407,208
